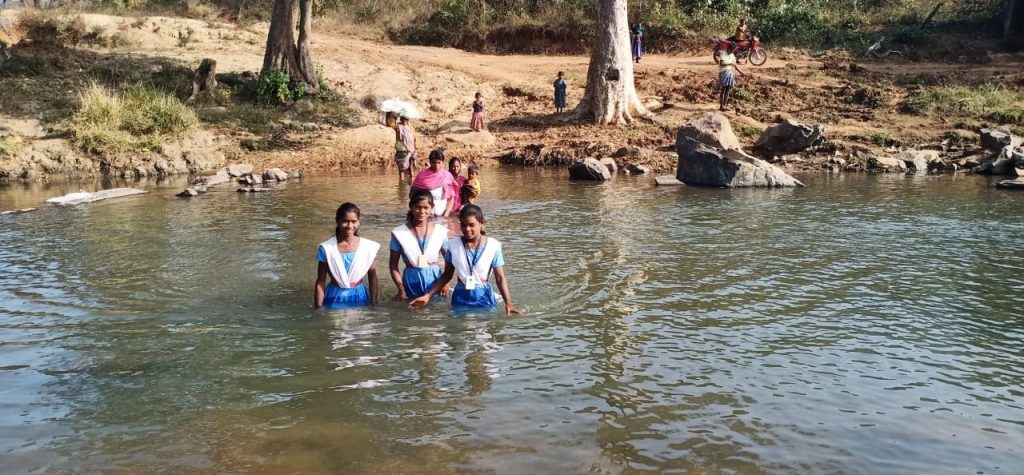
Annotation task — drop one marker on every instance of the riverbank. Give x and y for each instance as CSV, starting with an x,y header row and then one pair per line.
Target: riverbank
x,y
869,107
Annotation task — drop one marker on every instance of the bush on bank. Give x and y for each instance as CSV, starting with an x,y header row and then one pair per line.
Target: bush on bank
x,y
138,119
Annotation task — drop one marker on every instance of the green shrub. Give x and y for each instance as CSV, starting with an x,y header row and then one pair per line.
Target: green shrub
x,y
109,123
276,86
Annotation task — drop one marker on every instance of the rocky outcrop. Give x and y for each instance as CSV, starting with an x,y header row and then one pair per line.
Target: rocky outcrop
x,y
788,137
274,174
1004,162
704,166
886,164
712,129
239,170
589,169
667,180
919,160
995,139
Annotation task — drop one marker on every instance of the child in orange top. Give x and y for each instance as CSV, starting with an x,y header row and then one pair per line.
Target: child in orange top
x,y
471,189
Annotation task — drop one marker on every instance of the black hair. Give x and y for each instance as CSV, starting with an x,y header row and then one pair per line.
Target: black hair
x,y
561,73
474,211
472,168
436,154
452,161
344,209
417,196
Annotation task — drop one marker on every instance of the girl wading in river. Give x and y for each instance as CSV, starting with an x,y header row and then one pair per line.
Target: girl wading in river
x,y
473,257
348,260
420,244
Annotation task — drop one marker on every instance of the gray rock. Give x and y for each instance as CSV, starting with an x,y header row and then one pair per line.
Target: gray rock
x,y
175,166
203,160
212,180
77,198
1015,184
703,166
667,180
295,174
637,169
886,164
627,152
589,169
188,193
836,161
1004,162
610,164
141,171
788,137
275,174
239,169
253,189
997,138
919,159
712,129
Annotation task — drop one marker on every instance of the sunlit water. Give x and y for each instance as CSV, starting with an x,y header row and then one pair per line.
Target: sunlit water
x,y
864,324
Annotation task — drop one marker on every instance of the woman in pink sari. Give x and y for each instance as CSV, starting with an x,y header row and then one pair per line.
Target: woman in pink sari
x,y
438,182
455,168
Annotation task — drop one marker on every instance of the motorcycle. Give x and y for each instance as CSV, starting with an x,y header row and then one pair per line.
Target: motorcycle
x,y
744,49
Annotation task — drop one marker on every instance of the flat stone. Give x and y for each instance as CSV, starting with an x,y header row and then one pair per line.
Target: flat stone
x,y
83,197
887,164
212,180
1016,184
239,169
253,189
188,193
667,180
637,169
700,165
275,174
918,159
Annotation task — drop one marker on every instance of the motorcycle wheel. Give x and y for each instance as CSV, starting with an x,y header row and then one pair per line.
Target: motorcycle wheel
x,y
758,56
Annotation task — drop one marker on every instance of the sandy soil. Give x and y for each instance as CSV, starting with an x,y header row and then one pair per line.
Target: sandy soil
x,y
517,94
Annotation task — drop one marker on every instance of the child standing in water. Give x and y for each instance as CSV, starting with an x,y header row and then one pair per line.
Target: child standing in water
x,y
560,89
472,257
471,186
455,168
420,243
348,260
477,121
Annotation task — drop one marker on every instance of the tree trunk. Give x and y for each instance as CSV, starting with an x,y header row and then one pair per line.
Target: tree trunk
x,y
282,51
205,79
610,97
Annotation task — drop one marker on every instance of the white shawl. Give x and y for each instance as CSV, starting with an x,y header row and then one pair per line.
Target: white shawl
x,y
482,269
411,246
366,252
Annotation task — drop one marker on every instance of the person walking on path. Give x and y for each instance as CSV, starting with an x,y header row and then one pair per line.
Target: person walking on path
x,y
405,148
477,121
726,79
560,89
638,42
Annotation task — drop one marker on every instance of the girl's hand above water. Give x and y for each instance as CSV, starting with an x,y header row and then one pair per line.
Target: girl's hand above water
x,y
420,301
510,310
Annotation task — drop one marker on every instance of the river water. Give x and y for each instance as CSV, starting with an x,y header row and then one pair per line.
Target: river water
x,y
864,324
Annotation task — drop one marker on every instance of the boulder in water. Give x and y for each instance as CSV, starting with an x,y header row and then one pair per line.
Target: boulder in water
x,y
610,164
712,129
239,169
997,138
633,169
589,169
1004,162
703,166
789,137
918,160
275,174
188,193
886,164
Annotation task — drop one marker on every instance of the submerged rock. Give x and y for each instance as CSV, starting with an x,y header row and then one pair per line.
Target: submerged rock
x,y
589,169
637,169
712,129
667,180
789,137
610,164
703,166
86,197
1015,184
188,193
254,189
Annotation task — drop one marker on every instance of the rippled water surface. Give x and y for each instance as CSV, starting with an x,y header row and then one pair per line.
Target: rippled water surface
x,y
860,325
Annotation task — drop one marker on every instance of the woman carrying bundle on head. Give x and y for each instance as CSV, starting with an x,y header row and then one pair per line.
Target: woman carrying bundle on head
x,y
421,245
347,260
473,258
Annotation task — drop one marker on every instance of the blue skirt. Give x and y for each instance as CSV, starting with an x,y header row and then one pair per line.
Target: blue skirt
x,y
335,296
726,79
480,297
416,281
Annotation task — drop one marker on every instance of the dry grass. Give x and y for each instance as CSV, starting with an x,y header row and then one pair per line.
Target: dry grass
x,y
138,119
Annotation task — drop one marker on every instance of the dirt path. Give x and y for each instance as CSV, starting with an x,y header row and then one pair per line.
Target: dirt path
x,y
517,91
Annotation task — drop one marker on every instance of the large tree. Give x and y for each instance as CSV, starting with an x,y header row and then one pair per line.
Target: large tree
x,y
283,51
610,97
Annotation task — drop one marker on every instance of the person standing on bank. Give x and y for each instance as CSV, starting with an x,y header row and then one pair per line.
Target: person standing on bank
x,y
476,122
726,79
347,260
420,244
560,90
405,148
473,257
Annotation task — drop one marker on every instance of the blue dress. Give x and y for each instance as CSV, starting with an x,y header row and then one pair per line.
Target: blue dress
x,y
337,296
560,100
483,295
416,281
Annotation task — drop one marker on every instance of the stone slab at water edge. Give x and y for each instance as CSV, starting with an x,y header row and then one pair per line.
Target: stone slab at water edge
x,y
86,197
703,161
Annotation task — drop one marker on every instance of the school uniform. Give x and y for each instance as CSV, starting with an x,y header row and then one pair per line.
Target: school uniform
x,y
473,268
421,256
347,271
